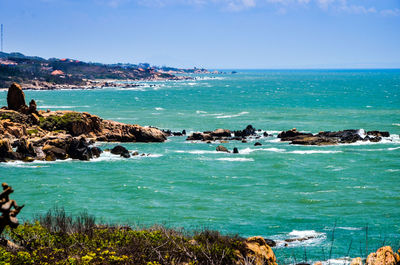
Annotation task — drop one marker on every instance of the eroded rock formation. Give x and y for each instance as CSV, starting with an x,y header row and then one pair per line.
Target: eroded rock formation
x,y
52,135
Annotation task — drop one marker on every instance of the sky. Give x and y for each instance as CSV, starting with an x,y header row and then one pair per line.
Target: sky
x,y
214,34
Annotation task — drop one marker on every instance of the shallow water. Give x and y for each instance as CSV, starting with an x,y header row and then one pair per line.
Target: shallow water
x,y
275,190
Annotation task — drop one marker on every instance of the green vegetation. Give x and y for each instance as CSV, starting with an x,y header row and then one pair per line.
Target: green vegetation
x,y
57,238
32,131
54,122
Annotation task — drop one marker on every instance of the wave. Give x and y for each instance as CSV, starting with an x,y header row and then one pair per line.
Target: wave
x,y
232,116
248,150
201,112
209,78
197,152
307,152
234,159
339,261
350,228
300,238
159,108
396,124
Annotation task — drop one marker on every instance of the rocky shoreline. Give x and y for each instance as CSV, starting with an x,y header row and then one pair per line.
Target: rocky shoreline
x,y
28,134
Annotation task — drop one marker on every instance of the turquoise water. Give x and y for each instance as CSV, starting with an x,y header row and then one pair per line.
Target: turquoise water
x,y
275,190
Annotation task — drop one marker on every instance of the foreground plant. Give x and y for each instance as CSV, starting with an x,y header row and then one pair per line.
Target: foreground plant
x,y
57,238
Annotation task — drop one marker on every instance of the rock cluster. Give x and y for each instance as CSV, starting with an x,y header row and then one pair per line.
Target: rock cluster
x,y
51,135
224,135
331,138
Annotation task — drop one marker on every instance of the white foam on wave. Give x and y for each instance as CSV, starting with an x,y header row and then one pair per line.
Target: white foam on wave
x,y
236,159
300,238
304,233
393,148
248,150
201,112
232,116
307,152
209,78
396,124
350,228
338,261
159,108
197,152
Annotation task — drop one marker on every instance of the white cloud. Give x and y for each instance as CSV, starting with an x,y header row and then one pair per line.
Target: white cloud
x,y
282,6
390,12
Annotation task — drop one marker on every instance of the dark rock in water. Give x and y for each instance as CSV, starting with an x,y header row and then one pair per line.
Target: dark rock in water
x,y
345,136
79,149
270,242
96,152
257,144
375,139
221,148
54,152
248,131
136,153
235,150
195,137
15,97
303,263
184,132
120,150
314,140
265,134
378,133
177,134
291,134
244,141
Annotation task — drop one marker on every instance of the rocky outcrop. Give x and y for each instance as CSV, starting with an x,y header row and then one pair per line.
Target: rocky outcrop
x,y
331,138
223,135
248,131
16,97
52,135
258,252
383,256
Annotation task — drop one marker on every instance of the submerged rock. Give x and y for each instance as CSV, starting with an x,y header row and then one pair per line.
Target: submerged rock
x,y
221,148
235,151
120,150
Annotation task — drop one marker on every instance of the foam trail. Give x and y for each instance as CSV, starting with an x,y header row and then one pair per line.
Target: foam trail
x,y
232,116
307,152
234,159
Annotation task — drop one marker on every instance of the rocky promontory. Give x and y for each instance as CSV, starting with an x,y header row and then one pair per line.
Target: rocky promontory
x,y
29,134
331,138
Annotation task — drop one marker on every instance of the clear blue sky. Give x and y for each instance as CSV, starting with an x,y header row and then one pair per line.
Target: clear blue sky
x,y
209,33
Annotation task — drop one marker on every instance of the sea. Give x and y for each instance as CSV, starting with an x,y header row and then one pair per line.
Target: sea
x,y
342,201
